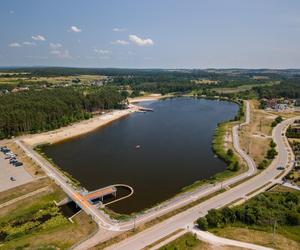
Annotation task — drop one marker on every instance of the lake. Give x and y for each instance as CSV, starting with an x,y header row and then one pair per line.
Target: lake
x,y
157,153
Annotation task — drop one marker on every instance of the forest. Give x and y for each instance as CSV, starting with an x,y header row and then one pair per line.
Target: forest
x,y
287,88
36,111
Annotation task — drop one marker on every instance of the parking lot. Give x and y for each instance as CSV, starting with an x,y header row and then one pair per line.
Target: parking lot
x,y
7,171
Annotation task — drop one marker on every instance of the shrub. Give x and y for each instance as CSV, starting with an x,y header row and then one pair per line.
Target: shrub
x,y
271,153
230,152
202,223
263,164
214,218
293,218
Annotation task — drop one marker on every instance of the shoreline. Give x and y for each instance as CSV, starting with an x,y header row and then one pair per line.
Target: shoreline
x,y
83,127
76,129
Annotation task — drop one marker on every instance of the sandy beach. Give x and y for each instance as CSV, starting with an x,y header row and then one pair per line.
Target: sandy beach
x,y
76,129
85,126
151,97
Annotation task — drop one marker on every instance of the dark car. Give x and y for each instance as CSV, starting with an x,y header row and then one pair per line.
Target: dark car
x,y
12,160
4,150
280,168
18,164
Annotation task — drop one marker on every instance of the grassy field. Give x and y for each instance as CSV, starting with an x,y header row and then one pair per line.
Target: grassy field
x,y
279,236
23,189
189,242
263,238
254,138
241,88
37,223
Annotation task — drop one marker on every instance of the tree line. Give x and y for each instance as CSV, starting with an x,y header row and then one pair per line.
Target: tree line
x,y
263,210
36,111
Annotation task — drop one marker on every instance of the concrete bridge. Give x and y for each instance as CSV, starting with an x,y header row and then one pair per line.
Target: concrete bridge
x,y
96,197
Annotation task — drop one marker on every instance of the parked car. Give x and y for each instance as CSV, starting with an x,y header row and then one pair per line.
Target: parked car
x,y
280,168
4,149
18,164
13,160
10,155
12,179
1,148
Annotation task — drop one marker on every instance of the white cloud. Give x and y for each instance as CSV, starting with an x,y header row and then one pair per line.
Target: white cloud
x,y
64,54
119,29
29,43
38,38
55,46
120,42
140,42
101,51
75,29
15,45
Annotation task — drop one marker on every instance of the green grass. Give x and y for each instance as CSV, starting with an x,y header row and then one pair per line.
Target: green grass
x,y
187,241
31,219
54,232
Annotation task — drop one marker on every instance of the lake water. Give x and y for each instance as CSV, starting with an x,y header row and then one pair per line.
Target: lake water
x,y
174,150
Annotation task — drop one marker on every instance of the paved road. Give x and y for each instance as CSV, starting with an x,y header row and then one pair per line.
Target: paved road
x,y
287,184
284,158
219,241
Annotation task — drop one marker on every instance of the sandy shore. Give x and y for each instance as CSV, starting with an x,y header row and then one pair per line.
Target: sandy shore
x,y
146,98
85,126
76,129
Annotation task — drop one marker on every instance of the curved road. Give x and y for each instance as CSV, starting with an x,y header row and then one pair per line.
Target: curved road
x,y
104,222
284,158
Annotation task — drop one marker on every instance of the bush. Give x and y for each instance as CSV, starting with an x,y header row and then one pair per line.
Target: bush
x,y
214,218
263,164
293,218
271,153
277,120
273,144
230,152
236,166
202,223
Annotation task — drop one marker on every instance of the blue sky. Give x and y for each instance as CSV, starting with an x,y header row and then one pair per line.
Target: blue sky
x,y
151,34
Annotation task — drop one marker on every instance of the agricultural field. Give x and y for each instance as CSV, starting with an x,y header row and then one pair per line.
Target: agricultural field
x,y
22,79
